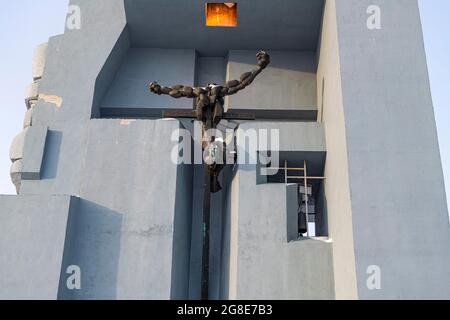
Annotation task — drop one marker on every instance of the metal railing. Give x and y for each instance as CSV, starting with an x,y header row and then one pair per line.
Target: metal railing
x,y
304,178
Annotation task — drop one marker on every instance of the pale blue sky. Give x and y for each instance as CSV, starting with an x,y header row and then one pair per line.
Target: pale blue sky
x,y
26,23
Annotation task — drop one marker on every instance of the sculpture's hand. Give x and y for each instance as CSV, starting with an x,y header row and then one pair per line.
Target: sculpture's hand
x,y
155,88
263,59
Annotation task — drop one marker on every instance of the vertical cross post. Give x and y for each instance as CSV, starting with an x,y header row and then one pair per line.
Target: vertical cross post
x,y
206,228
208,124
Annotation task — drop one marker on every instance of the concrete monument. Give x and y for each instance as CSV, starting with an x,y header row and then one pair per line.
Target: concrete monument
x,y
102,211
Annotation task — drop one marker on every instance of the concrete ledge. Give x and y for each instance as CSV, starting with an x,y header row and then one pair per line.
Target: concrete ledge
x,y
16,149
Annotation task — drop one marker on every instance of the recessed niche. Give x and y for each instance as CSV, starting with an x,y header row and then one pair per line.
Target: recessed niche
x,y
221,14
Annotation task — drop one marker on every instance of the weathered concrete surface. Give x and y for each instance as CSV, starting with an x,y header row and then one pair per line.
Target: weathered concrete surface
x,y
336,186
39,57
131,232
399,210
258,261
75,84
32,93
32,235
294,26
141,66
261,263
16,149
26,153
34,152
28,118
16,174
288,83
131,235
211,70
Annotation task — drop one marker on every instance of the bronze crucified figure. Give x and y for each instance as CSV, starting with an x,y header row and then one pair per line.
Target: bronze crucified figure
x,y
210,101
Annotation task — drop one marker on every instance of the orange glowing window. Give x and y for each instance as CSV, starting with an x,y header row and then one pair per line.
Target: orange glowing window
x,y
221,14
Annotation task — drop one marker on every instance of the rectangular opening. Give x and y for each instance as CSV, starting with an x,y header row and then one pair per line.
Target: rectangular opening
x,y
221,14
297,170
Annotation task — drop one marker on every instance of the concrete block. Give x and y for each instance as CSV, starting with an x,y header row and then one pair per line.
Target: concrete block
x,y
27,121
32,90
32,94
119,223
28,146
16,149
16,174
39,57
32,238
33,153
265,222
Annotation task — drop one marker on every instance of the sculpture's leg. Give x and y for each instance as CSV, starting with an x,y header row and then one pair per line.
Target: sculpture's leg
x,y
218,111
215,184
202,103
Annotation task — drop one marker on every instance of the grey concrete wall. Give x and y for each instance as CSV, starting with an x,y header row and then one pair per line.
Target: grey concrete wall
x,y
258,262
293,136
336,186
141,66
264,265
109,71
211,70
289,83
131,234
33,154
67,89
26,153
32,235
400,217
130,231
228,249
294,25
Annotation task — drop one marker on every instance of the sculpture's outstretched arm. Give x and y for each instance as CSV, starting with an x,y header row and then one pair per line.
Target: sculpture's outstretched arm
x,y
175,91
234,86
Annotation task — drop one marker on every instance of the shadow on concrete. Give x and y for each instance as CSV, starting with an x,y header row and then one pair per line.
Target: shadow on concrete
x,y
51,155
285,60
182,226
92,243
